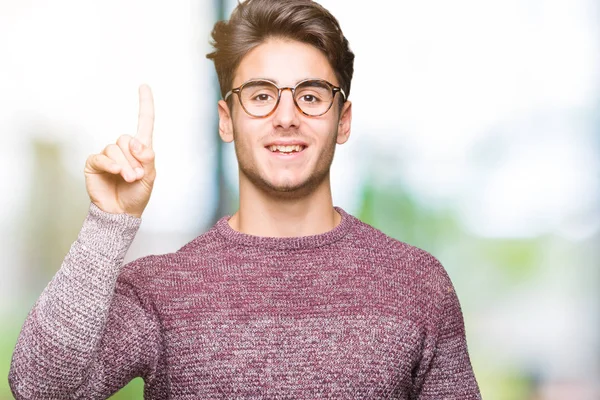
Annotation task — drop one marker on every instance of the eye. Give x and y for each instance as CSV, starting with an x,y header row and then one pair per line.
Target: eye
x,y
262,97
309,98
312,93
258,92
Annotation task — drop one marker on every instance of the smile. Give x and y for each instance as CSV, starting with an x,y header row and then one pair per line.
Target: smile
x,y
286,149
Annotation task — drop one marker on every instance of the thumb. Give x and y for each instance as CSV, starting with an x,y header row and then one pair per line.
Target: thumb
x,y
144,154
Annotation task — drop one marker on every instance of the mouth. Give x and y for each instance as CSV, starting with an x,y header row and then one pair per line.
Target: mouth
x,y
286,150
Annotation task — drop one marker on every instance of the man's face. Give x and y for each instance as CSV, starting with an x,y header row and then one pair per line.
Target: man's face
x,y
262,162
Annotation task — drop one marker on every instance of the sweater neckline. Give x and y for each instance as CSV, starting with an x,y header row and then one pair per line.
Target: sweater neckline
x,y
286,243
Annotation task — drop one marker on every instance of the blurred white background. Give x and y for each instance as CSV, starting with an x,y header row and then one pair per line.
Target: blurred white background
x,y
475,136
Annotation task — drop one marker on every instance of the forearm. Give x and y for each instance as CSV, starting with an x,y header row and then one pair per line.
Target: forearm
x,y
59,338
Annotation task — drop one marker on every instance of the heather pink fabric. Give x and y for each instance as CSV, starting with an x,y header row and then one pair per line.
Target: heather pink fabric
x,y
349,314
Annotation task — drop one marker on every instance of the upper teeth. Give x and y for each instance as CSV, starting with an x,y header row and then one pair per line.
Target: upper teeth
x,y
286,149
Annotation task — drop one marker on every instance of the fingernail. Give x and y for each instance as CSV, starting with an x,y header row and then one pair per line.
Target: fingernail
x,y
136,145
139,172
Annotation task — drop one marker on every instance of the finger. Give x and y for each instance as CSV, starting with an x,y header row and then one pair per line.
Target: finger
x,y
146,116
124,143
143,154
115,153
99,164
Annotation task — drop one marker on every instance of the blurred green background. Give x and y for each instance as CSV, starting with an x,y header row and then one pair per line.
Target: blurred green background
x,y
476,136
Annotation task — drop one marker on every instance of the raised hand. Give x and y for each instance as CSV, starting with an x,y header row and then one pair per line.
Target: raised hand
x,y
120,178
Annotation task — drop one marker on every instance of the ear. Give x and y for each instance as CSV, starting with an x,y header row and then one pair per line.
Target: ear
x,y
344,123
225,122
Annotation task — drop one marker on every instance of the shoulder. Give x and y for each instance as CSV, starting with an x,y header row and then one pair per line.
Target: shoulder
x,y
196,255
416,265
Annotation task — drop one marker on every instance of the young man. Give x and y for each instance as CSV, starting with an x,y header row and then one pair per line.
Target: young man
x,y
290,297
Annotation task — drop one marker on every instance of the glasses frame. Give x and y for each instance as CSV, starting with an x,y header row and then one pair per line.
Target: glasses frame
x,y
334,90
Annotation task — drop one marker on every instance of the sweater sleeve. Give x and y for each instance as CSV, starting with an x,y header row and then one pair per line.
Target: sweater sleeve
x,y
446,371
87,335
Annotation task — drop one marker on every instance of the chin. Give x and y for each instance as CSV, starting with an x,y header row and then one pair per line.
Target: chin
x,y
289,189
284,185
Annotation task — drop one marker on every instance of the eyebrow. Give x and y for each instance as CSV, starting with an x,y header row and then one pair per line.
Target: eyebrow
x,y
264,78
275,81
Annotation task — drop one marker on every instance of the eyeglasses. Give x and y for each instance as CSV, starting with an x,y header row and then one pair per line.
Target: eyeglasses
x,y
260,97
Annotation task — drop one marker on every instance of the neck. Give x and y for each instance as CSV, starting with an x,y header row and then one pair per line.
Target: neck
x,y
262,214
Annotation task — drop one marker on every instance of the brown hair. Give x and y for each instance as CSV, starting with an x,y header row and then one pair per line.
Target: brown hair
x,y
254,21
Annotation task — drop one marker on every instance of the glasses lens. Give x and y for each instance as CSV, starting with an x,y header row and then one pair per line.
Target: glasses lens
x,y
259,97
314,97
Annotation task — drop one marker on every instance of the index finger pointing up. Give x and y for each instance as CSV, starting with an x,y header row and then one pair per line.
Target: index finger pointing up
x,y
146,116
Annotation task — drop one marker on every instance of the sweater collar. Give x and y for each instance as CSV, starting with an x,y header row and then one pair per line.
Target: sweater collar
x,y
286,243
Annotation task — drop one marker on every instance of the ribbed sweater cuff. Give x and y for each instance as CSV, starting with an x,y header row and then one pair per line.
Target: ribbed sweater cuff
x,y
109,234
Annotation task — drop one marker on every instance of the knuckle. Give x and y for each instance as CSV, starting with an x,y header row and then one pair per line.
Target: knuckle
x,y
93,160
110,148
150,155
113,151
123,140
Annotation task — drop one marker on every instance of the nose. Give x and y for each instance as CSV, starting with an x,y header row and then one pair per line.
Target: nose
x,y
286,115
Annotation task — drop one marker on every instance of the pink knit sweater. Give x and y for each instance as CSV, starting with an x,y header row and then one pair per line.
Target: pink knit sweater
x,y
349,314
